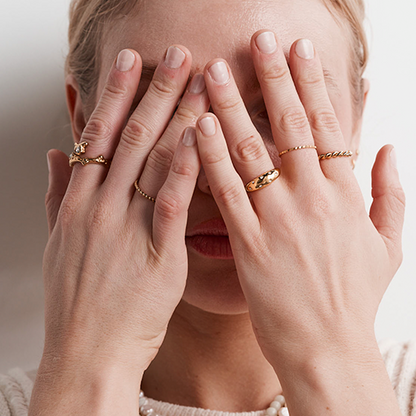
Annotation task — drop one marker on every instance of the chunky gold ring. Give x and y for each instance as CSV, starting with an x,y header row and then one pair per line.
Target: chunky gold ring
x,y
79,149
263,180
331,155
308,146
150,198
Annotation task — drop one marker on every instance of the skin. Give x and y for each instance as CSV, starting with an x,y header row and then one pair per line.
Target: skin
x,y
286,308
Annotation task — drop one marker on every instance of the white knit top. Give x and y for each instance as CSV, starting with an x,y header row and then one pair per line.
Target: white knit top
x,y
399,358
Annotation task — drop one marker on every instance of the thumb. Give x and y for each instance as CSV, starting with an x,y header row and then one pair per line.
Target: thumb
x,y
387,209
59,175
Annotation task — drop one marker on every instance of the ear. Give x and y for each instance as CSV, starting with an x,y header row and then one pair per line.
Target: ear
x,y
75,107
356,137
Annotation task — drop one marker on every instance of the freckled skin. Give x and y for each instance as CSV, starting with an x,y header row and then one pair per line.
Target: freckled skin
x,y
222,29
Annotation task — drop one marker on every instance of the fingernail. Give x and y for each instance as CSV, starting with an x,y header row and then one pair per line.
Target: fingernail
x,y
207,125
219,72
125,60
266,42
305,49
197,84
189,137
48,162
393,157
174,57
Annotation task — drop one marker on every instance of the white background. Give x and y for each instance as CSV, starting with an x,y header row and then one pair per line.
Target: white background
x,y
33,119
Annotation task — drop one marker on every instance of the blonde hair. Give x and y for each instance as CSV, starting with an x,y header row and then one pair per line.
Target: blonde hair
x,y
88,19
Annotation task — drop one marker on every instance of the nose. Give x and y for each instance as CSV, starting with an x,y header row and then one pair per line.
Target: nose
x,y
202,182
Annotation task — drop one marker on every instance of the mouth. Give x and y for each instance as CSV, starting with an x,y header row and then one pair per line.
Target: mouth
x,y
210,239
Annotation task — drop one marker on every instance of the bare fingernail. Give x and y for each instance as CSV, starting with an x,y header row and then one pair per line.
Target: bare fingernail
x,y
219,72
189,137
174,57
207,125
125,60
197,84
266,42
48,162
393,157
304,49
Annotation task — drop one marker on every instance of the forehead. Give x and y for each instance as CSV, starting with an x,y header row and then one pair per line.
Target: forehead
x,y
223,29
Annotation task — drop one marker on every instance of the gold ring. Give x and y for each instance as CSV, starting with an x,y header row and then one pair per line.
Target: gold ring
x,y
308,146
150,198
263,180
330,155
79,149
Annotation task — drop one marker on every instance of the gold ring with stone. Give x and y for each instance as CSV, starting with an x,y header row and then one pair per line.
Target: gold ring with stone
x,y
79,149
150,198
263,180
308,146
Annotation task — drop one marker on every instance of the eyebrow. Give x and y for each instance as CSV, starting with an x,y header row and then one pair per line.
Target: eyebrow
x,y
149,69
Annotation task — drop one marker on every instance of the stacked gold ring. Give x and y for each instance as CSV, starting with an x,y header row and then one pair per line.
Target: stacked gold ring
x,y
331,155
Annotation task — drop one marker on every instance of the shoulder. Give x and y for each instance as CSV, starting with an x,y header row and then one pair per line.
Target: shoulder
x,y
15,390
400,361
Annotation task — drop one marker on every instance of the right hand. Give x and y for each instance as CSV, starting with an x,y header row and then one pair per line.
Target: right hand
x,y
115,265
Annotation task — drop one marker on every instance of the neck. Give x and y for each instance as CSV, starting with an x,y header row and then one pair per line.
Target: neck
x,y
212,362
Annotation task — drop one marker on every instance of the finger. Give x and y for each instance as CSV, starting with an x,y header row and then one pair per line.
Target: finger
x,y
224,182
59,176
104,127
150,119
288,119
194,103
245,145
308,76
387,209
172,202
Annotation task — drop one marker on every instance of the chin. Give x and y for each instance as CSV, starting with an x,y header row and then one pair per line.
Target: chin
x,y
213,286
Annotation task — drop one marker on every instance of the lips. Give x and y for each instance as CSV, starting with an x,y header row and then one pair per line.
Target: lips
x,y
210,239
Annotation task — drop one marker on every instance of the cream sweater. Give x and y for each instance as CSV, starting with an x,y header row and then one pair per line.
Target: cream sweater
x,y
399,358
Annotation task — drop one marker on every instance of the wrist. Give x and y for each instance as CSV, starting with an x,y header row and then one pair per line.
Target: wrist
x,y
67,389
348,379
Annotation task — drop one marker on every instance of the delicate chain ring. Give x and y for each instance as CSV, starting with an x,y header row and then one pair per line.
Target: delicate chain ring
x,y
150,198
308,146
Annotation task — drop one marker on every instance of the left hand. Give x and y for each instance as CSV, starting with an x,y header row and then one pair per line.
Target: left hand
x,y
313,265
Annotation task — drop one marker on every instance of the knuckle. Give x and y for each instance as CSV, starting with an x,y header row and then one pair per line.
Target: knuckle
x,y
97,129
115,92
185,115
136,134
311,78
162,88
274,75
230,105
160,158
212,159
249,149
228,195
183,169
294,119
324,120
168,207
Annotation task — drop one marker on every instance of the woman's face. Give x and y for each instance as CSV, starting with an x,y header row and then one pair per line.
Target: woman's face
x,y
223,29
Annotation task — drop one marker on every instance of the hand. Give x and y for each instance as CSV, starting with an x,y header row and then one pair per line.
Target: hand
x,y
312,264
115,265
